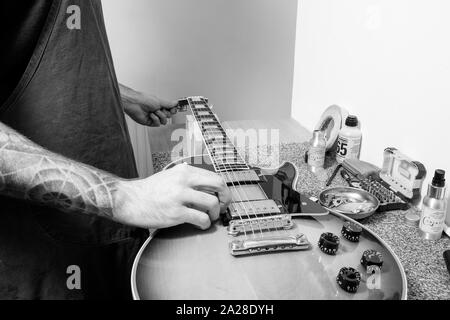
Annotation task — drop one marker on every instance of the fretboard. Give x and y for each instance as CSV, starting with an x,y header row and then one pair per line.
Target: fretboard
x,y
223,153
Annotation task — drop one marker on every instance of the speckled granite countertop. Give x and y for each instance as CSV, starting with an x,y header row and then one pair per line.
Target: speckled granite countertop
x,y
422,260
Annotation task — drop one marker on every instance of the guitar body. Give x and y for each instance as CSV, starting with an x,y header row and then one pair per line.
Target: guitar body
x,y
186,263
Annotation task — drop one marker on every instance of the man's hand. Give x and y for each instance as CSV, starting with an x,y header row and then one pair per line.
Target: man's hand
x,y
178,195
183,194
146,109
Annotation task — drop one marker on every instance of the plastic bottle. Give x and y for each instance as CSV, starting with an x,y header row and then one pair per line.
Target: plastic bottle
x,y
349,140
434,208
316,153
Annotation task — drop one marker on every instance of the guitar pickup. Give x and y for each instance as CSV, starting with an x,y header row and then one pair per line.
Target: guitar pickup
x,y
244,176
253,208
259,224
269,244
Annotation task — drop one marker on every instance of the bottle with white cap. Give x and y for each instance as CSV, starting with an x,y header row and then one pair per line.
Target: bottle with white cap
x,y
349,140
434,208
316,153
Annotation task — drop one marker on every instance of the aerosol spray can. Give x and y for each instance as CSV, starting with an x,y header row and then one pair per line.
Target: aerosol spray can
x,y
316,153
434,208
349,140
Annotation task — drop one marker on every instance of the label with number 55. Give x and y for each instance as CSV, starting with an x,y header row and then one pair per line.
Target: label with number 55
x,y
347,148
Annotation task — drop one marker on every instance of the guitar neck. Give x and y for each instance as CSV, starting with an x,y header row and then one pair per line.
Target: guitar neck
x,y
250,209
221,150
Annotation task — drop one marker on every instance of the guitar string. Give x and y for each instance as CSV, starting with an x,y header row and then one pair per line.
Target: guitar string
x,y
251,207
215,164
274,226
234,174
221,174
277,229
232,171
239,203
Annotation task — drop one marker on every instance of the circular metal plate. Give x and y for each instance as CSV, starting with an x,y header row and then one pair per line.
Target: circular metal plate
x,y
353,202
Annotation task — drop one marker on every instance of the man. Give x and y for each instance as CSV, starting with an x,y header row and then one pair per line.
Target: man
x,y
68,180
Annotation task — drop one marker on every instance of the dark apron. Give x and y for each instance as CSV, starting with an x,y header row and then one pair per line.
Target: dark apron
x,y
68,101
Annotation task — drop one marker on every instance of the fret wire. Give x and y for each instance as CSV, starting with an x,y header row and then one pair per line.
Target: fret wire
x,y
245,210
228,156
244,207
216,129
223,146
215,146
226,161
236,155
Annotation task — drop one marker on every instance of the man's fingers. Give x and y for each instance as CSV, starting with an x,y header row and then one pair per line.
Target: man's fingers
x,y
205,202
166,104
169,106
205,180
197,218
155,120
162,117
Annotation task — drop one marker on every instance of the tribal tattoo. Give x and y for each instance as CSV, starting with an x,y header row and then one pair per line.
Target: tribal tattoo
x,y
30,172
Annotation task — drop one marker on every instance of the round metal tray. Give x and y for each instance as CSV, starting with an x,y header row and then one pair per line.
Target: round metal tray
x,y
358,203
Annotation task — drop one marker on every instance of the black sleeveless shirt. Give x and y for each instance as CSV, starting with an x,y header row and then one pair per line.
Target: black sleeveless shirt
x,y
60,90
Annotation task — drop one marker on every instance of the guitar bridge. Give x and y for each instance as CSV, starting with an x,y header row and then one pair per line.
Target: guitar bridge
x,y
269,244
258,224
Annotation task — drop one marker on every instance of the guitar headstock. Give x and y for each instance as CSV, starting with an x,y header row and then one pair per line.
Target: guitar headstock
x,y
183,103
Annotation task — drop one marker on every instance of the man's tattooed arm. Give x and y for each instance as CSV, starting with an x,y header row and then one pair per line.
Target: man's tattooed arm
x,y
167,198
29,172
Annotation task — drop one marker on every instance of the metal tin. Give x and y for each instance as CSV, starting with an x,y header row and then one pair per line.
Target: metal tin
x,y
353,202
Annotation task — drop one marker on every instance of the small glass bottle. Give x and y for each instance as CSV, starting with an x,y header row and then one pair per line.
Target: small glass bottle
x,y
434,208
316,153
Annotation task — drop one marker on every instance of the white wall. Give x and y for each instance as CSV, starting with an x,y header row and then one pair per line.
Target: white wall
x,y
238,53
388,62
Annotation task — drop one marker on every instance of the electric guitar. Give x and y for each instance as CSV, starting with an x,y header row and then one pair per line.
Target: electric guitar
x,y
265,246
